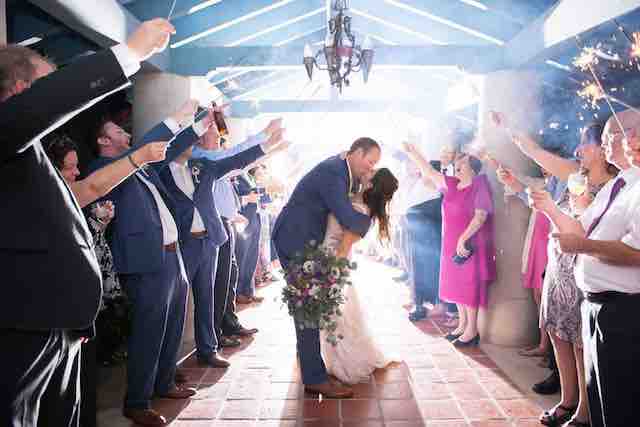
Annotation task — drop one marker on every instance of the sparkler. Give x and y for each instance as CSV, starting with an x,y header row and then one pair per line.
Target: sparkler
x,y
600,93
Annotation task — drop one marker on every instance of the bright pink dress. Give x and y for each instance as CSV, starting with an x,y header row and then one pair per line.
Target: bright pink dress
x,y
537,256
467,283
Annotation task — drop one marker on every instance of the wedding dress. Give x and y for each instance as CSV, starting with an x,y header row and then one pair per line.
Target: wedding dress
x,y
357,355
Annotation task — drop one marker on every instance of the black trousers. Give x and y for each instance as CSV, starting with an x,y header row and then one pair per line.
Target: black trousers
x,y
228,263
40,381
223,282
611,336
89,383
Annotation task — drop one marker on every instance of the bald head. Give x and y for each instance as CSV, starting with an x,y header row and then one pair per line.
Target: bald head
x,y
631,123
629,119
613,135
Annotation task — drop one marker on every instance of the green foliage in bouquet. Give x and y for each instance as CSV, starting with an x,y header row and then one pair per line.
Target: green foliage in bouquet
x,y
316,279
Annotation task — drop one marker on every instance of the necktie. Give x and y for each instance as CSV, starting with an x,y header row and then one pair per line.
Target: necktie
x,y
617,186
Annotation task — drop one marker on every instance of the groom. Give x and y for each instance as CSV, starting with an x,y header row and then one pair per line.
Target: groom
x,y
324,190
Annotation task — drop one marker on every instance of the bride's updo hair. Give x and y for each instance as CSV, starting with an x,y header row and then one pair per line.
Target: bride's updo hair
x,y
377,198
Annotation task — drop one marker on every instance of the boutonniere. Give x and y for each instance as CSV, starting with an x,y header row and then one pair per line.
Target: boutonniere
x,y
196,168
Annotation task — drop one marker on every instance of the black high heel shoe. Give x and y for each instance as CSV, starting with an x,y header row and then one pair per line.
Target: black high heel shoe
x,y
471,343
551,418
452,337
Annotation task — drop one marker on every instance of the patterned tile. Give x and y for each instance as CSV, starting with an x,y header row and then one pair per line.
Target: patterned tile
x,y
435,385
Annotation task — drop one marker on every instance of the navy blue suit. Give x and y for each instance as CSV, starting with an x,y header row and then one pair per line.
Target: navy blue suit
x,y
324,190
248,242
152,275
201,253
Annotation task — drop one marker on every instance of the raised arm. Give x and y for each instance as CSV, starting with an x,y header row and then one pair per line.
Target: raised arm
x,y
103,180
52,100
556,165
428,172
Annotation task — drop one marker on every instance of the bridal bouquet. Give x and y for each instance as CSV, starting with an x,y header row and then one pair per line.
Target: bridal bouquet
x,y
314,292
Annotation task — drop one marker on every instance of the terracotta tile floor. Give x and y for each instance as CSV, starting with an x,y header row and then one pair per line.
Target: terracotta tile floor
x,y
435,385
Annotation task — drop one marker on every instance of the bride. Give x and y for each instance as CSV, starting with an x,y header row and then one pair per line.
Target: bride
x,y
357,354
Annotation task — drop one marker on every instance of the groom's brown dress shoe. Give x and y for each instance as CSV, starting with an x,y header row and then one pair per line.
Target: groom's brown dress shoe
x,y
329,391
144,417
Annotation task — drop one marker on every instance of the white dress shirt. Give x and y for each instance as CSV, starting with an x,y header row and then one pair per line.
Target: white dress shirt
x,y
184,180
620,223
169,228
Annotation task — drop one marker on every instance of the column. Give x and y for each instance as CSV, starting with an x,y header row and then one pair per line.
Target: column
x,y
511,318
156,96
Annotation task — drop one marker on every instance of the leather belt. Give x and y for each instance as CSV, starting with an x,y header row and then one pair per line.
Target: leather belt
x,y
199,234
171,247
607,296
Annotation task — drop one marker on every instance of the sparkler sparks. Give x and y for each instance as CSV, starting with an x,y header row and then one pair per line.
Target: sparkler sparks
x,y
591,93
586,59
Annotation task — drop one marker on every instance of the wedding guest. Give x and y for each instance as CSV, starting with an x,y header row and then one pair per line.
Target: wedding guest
x,y
191,183
467,264
156,283
607,270
248,243
560,317
62,152
560,302
424,227
534,253
226,323
38,323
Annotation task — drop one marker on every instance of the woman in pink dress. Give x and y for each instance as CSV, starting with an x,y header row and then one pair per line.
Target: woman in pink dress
x,y
467,263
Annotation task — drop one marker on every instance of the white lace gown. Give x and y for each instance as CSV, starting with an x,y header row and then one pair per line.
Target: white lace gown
x,y
358,354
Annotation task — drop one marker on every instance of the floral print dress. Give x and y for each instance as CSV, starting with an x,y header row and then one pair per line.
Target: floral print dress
x,y
561,298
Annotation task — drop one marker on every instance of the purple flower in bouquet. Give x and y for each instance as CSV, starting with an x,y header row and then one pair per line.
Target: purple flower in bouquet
x,y
314,291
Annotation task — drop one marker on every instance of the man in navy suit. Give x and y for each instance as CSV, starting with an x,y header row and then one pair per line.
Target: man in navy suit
x,y
51,276
248,242
324,190
146,245
191,184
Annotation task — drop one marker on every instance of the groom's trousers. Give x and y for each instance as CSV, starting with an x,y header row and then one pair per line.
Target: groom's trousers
x,y
308,345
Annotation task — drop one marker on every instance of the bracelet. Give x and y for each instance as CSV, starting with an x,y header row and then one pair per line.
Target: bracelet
x,y
136,166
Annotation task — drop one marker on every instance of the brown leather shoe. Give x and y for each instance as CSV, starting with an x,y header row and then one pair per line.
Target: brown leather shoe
x,y
329,391
243,299
244,332
225,342
180,376
144,417
178,392
215,361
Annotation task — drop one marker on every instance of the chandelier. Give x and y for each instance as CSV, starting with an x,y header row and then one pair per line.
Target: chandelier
x,y
341,54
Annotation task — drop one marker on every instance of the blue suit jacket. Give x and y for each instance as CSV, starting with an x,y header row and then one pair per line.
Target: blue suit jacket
x,y
137,240
209,172
244,187
324,190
